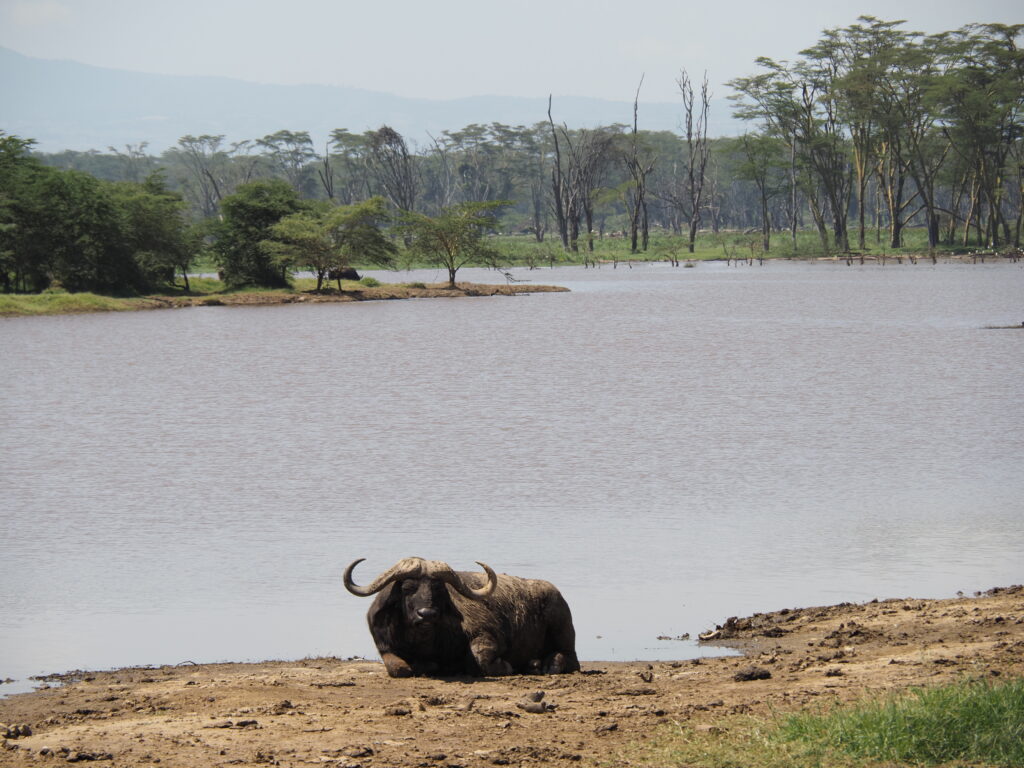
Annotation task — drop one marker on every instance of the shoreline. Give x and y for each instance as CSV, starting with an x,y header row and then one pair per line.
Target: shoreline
x,y
348,712
36,305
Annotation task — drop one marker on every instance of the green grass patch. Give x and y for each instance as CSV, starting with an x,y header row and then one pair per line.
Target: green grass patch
x,y
975,721
972,722
61,303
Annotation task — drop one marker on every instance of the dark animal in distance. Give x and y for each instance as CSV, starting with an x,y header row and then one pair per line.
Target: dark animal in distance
x,y
428,619
345,273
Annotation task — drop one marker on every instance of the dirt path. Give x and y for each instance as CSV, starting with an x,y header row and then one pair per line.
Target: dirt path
x,y
349,713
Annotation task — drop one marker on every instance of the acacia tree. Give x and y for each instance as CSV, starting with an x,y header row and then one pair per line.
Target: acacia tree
x,y
893,104
290,152
349,168
393,166
456,236
795,102
154,229
200,154
325,237
762,164
982,108
134,159
246,221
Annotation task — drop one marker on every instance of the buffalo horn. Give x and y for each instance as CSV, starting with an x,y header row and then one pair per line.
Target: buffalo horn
x,y
415,567
475,594
397,571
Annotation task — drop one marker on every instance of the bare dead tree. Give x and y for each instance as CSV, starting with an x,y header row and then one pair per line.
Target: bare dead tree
x,y
576,175
698,150
636,192
326,173
557,184
590,155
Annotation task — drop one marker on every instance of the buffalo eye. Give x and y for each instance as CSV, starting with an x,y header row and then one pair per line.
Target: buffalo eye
x,y
409,586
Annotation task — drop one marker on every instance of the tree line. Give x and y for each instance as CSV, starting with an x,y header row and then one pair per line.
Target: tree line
x,y
873,129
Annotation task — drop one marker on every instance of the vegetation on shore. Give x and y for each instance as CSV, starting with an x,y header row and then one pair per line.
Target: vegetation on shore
x,y
511,251
973,721
876,139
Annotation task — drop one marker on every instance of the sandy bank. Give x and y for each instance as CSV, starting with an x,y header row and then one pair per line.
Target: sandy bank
x,y
349,713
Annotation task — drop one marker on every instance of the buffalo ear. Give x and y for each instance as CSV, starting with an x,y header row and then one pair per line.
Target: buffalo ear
x,y
392,593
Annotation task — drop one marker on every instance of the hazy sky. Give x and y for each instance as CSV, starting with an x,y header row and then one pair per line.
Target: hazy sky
x,y
452,48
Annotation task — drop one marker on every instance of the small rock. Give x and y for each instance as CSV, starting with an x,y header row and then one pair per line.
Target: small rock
x,y
751,673
357,751
636,692
606,728
532,703
397,710
713,730
535,707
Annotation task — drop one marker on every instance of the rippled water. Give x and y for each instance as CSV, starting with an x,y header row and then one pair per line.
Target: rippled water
x,y
669,446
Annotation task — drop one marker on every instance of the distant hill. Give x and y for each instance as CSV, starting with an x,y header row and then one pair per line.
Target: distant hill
x,y
67,105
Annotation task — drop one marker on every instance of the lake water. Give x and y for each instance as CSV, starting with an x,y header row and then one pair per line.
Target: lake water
x,y
670,447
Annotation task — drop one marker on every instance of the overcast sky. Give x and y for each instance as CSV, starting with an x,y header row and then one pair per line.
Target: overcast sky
x,y
453,48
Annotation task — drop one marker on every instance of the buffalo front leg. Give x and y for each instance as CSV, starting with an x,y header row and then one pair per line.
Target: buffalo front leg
x,y
485,654
396,666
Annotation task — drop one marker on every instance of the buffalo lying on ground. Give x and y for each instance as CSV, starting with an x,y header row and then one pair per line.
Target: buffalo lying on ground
x,y
430,620
345,273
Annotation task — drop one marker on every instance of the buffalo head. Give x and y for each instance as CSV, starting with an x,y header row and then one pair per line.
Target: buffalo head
x,y
424,596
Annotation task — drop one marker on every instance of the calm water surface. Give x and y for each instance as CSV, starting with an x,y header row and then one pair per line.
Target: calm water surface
x,y
669,446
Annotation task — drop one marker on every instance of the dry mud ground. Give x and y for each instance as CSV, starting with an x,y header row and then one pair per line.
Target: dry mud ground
x,y
349,713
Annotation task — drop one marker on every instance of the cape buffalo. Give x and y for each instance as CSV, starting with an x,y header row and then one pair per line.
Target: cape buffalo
x,y
430,620
345,273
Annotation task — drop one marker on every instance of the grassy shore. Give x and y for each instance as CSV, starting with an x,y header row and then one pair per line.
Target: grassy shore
x,y
518,251
211,292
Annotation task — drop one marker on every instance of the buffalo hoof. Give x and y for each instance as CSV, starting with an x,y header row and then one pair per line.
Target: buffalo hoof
x,y
556,664
395,666
498,668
